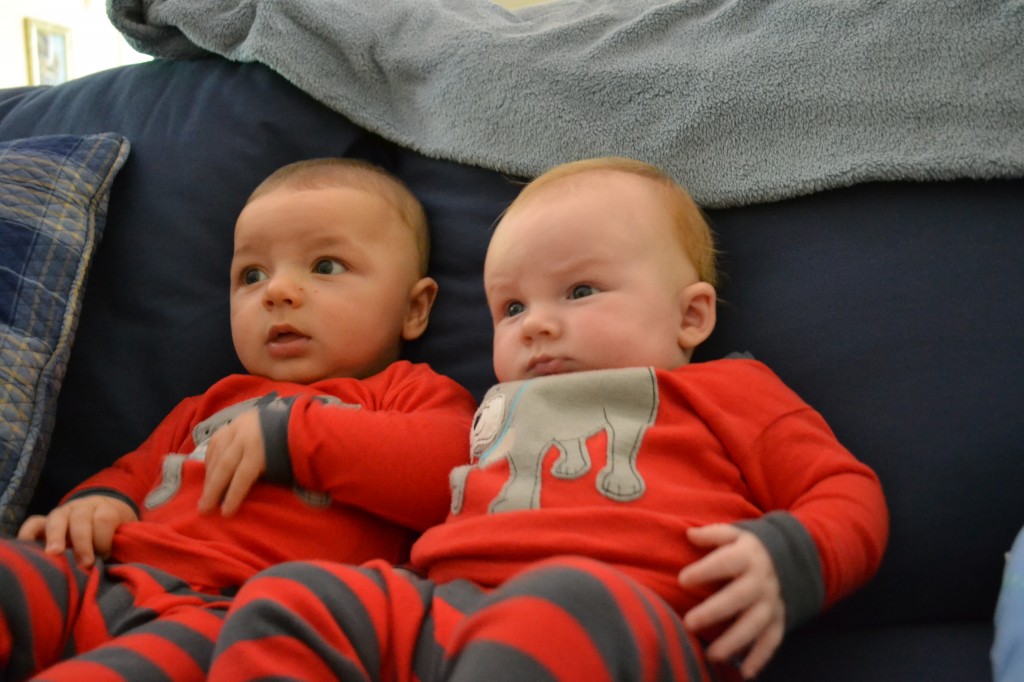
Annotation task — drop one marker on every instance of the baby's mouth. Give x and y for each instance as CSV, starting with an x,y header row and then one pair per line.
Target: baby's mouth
x,y
547,365
284,334
285,343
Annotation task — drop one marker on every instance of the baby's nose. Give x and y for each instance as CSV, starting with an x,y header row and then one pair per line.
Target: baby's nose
x,y
540,321
282,289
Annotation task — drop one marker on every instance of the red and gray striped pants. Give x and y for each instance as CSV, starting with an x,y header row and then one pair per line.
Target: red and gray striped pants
x,y
110,622
565,619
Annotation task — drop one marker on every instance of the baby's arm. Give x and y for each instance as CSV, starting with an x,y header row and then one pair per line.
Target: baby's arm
x,y
390,456
87,523
827,522
749,602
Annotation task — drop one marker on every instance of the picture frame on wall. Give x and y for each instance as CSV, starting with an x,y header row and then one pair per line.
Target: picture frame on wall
x,y
48,49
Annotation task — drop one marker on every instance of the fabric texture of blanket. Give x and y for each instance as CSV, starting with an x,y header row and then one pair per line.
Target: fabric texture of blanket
x,y
743,101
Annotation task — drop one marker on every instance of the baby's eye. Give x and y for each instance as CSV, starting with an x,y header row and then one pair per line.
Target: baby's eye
x,y
514,308
328,266
252,276
582,291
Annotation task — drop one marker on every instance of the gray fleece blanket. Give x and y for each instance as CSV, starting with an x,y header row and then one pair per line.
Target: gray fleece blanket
x,y
743,101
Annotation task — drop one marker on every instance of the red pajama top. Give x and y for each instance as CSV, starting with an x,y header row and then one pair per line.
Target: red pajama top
x,y
617,464
363,468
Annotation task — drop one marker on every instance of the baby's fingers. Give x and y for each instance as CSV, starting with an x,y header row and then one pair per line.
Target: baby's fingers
x,y
57,530
106,519
245,475
762,651
744,632
34,528
80,534
219,472
721,563
714,535
725,604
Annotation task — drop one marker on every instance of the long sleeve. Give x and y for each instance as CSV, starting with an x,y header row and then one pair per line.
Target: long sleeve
x,y
390,455
801,468
793,464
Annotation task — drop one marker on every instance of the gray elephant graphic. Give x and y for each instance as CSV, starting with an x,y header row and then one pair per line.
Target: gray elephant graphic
x,y
521,421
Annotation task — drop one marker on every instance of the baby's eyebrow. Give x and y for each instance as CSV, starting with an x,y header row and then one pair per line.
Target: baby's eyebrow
x,y
244,253
248,249
325,241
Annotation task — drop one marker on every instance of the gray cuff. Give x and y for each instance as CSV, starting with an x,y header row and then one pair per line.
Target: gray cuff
x,y
274,416
108,492
796,562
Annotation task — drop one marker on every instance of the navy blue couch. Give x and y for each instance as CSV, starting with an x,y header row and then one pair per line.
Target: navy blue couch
x,y
895,309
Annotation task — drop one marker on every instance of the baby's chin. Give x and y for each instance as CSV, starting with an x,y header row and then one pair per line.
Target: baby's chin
x,y
294,373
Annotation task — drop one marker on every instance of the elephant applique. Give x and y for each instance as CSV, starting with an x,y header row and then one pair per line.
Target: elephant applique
x,y
521,421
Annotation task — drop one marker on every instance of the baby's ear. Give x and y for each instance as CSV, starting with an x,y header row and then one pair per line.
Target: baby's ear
x,y
421,300
698,304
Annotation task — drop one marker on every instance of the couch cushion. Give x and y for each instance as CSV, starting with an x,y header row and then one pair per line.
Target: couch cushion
x,y
53,203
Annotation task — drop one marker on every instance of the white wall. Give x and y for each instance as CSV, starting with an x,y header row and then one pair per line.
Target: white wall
x,y
95,44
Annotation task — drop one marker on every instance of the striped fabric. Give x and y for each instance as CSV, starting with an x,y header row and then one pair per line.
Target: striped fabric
x,y
62,623
53,201
566,618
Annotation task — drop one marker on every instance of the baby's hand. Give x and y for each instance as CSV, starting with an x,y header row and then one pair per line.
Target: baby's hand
x,y
235,460
87,523
750,601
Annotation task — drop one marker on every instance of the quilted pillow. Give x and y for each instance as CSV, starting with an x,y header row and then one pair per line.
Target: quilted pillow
x,y
53,203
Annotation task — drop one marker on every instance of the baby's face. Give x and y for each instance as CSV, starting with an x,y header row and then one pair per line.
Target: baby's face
x,y
320,284
588,274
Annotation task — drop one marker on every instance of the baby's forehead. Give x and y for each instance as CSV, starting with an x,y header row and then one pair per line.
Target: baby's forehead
x,y
550,187
591,197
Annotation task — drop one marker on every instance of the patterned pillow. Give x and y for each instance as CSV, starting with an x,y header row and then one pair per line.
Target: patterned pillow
x,y
53,203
